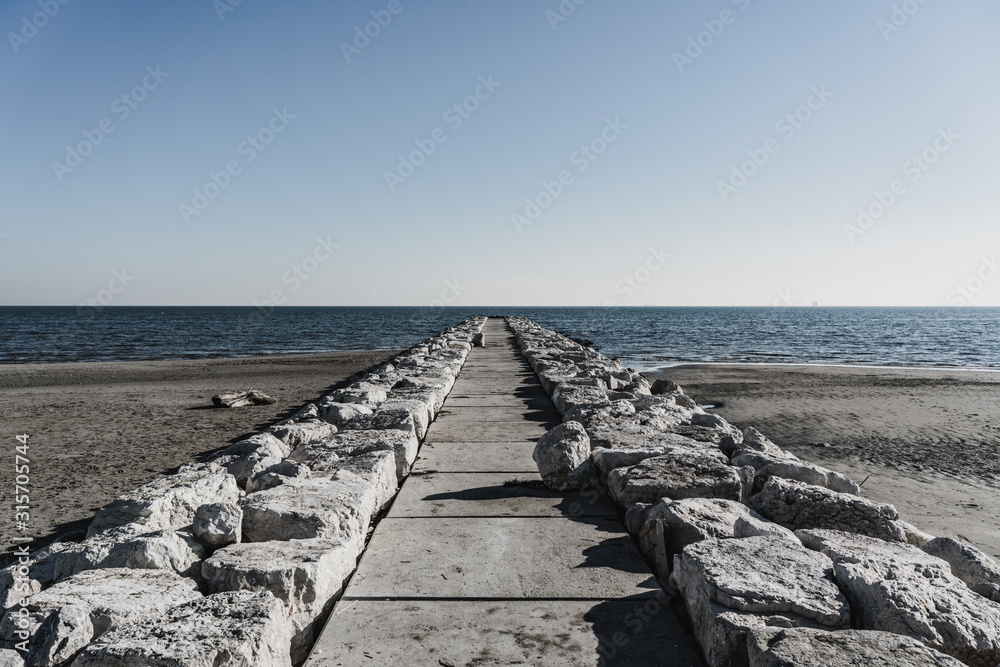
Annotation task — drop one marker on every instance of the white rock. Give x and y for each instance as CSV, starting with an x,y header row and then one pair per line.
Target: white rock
x,y
237,629
361,392
914,535
132,546
10,658
731,586
108,597
924,601
797,505
352,443
774,647
768,466
306,575
218,524
61,636
562,455
338,507
678,475
396,419
167,503
14,587
294,435
756,441
975,568
337,413
248,457
854,548
278,474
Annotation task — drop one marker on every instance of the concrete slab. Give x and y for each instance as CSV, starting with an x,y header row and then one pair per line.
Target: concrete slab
x,y
435,494
497,413
452,431
512,457
497,400
480,557
550,633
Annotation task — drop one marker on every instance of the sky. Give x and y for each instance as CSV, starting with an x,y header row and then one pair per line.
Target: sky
x,y
523,152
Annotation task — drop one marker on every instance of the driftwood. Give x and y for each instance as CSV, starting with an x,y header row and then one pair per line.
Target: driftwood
x,y
239,399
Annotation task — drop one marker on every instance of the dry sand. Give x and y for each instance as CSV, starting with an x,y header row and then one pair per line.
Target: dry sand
x,y
929,439
100,429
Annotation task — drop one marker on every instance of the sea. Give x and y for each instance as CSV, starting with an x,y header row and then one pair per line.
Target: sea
x,y
642,338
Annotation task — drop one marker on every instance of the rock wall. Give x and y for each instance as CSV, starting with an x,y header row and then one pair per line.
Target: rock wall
x,y
237,561
777,561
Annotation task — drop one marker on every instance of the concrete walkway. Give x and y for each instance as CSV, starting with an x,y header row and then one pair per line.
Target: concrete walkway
x,y
477,564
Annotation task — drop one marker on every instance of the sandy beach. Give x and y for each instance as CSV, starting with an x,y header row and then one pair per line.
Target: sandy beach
x,y
100,429
929,440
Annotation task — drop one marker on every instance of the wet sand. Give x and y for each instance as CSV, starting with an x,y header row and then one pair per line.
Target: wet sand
x,y
97,430
928,439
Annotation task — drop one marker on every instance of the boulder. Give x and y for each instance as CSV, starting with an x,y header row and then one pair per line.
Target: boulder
x,y
562,455
306,575
797,505
318,455
566,396
731,587
15,586
294,435
10,658
854,548
168,503
378,469
925,601
914,535
694,520
337,507
365,393
632,435
479,340
979,571
397,419
774,647
248,457
768,466
132,546
688,474
61,636
235,629
420,412
663,386
607,460
336,413
218,524
754,440
718,424
278,474
96,600
604,413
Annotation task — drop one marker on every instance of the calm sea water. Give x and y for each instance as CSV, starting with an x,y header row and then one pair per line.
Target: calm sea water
x,y
641,337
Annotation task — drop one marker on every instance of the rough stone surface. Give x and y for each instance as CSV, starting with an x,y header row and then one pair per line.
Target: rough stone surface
x,y
41,572
65,631
979,571
591,414
563,457
607,460
319,455
924,601
378,469
854,548
168,503
914,535
278,474
756,441
633,435
662,386
696,519
10,658
294,435
247,457
336,413
336,507
397,419
676,476
306,575
132,546
773,647
107,597
797,505
567,396
761,576
366,393
768,466
218,524
236,629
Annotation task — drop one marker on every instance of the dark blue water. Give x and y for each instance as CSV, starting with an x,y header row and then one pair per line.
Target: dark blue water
x,y
641,337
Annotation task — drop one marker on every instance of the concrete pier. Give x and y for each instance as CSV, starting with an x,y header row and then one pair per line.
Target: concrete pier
x,y
476,563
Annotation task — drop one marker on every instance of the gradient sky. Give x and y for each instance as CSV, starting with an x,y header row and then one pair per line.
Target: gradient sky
x,y
446,231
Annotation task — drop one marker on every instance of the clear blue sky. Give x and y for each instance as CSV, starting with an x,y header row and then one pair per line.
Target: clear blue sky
x,y
678,128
